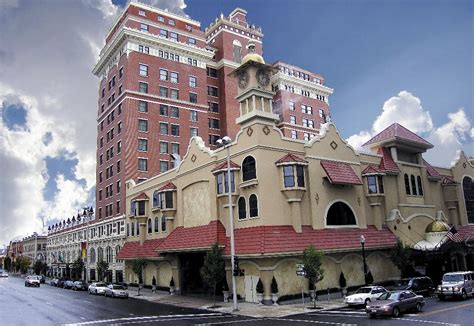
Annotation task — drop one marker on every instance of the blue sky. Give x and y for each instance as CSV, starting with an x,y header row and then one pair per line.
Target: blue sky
x,y
405,61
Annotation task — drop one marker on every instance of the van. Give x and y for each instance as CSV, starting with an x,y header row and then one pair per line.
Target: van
x,y
456,284
422,285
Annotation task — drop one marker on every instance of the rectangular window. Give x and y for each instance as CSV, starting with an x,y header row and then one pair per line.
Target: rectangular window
x,y
141,13
193,115
212,91
193,98
223,184
306,136
143,87
174,112
143,70
300,175
193,132
292,119
191,41
142,125
120,72
303,108
311,123
163,147
372,184
192,81
144,49
171,22
213,123
174,36
174,148
163,91
163,128
163,109
175,130
142,145
380,184
309,110
213,106
288,176
213,139
163,166
211,72
305,122
163,33
144,27
142,106
118,166
119,147
142,164
294,134
291,105
119,186
161,19
174,77
174,94
163,74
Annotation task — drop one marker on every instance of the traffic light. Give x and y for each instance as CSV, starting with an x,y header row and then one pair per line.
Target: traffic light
x,y
235,268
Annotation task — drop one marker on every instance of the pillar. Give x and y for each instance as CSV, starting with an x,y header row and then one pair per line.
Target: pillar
x,y
266,277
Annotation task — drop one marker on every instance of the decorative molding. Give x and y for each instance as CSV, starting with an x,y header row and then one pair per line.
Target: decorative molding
x,y
249,131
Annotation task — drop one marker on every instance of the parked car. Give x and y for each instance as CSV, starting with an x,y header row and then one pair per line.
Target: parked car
x,y
97,288
79,286
457,284
3,273
54,282
395,302
420,285
68,284
32,280
364,295
42,279
115,290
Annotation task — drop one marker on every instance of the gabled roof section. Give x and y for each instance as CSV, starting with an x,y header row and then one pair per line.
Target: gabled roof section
x,y
168,186
340,173
132,250
373,169
141,196
397,132
223,166
387,163
291,158
194,238
432,172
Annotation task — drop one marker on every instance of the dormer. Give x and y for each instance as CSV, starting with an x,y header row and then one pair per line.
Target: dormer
x,y
139,205
164,198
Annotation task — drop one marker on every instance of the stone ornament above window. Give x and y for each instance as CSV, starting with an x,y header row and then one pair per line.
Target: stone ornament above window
x,y
266,130
193,158
249,131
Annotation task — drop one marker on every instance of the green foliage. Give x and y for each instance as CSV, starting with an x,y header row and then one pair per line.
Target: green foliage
x,y
39,267
259,287
401,257
7,264
22,264
138,265
213,271
102,266
274,285
78,267
342,280
313,260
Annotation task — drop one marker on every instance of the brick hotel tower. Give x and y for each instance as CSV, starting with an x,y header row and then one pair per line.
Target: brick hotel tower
x,y
164,80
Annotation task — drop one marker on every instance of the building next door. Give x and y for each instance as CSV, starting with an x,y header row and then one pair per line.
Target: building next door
x,y
250,286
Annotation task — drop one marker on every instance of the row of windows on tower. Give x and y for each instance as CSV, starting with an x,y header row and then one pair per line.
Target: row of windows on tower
x,y
160,223
413,186
169,34
161,19
173,111
109,190
173,93
298,74
305,122
303,92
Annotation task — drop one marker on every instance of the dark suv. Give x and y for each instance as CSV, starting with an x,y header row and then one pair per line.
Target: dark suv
x,y
422,285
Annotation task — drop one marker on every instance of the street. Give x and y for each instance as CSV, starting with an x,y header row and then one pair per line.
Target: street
x,y
48,305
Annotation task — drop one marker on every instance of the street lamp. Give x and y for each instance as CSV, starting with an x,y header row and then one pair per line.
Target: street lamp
x,y
226,142
362,243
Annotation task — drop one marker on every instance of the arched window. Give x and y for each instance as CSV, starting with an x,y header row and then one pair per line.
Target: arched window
x,y
157,224
407,185
340,214
468,189
156,200
92,254
108,254
150,227
100,254
242,208
237,51
420,186
128,229
133,229
253,205
413,185
248,169
163,223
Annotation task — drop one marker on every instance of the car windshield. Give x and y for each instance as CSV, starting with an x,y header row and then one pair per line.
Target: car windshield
x,y
118,287
453,278
403,282
389,296
100,285
364,290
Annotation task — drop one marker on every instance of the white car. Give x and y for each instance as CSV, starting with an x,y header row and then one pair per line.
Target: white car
x,y
115,290
32,280
365,295
97,288
3,274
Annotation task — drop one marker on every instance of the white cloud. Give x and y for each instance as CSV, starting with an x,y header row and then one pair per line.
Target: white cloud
x,y
406,109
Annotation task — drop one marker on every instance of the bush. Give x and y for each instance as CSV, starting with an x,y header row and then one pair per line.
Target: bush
x,y
259,287
274,285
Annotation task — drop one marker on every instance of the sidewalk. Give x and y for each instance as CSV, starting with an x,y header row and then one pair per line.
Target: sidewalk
x,y
245,308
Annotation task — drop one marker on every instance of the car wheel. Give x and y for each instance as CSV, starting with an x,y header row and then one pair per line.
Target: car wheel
x,y
113,295
418,307
441,297
367,301
372,315
464,295
396,312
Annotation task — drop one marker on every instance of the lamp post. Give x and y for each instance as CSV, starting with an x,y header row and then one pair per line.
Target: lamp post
x,y
226,142
362,243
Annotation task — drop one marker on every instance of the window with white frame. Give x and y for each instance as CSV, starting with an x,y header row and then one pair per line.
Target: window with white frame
x,y
291,105
143,27
143,70
294,134
163,166
193,132
174,77
375,184
142,106
293,176
142,164
192,81
142,145
193,115
292,119
163,147
163,74
163,128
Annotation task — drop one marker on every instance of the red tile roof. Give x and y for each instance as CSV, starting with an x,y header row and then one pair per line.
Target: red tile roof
x,y
387,163
141,196
340,173
132,250
168,186
431,171
283,239
223,166
193,238
397,132
372,169
291,158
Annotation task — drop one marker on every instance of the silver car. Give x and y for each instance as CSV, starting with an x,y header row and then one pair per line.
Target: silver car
x,y
115,290
97,288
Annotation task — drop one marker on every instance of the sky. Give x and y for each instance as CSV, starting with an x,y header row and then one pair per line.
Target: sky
x,y
405,61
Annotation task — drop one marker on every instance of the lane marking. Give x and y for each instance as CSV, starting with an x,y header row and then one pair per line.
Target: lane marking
x,y
312,321
233,321
447,309
426,321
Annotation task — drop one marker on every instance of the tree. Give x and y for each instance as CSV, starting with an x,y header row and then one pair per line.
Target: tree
x,y
102,266
212,271
401,257
23,262
77,267
38,267
7,264
313,260
138,265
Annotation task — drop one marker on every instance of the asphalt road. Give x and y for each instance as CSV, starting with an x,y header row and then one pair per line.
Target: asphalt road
x,y
48,305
